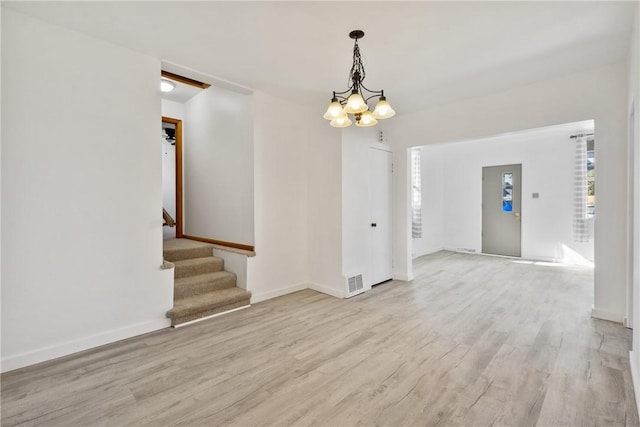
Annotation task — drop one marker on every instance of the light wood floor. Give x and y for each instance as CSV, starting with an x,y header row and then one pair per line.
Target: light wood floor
x,y
473,340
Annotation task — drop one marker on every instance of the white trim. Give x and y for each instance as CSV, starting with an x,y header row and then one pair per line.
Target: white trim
x,y
611,316
471,251
403,277
263,296
63,349
635,379
325,290
182,70
191,322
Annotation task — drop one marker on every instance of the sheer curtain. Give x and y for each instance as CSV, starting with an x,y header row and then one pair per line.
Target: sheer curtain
x,y
581,231
416,194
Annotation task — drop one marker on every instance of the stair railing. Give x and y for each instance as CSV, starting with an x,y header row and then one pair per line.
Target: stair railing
x,y
168,221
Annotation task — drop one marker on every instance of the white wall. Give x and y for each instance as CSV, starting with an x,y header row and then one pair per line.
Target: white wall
x,y
547,156
81,229
172,109
598,94
633,101
0,190
432,190
281,235
324,205
218,166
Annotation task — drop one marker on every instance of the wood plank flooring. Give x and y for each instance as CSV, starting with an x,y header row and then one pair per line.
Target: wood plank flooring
x,y
472,341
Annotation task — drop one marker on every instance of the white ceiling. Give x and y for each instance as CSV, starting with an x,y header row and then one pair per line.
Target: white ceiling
x,y
421,53
181,92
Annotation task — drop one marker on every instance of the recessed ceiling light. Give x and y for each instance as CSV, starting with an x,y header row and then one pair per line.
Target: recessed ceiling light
x,y
166,85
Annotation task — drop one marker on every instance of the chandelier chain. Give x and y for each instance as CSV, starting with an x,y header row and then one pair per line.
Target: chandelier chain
x,y
357,73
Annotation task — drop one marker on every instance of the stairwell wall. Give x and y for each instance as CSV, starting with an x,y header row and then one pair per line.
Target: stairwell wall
x,y
218,166
81,229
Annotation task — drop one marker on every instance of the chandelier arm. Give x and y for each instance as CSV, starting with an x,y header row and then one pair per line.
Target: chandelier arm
x,y
378,92
349,90
372,96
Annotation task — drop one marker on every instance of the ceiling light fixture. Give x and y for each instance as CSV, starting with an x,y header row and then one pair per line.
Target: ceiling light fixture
x,y
166,85
356,103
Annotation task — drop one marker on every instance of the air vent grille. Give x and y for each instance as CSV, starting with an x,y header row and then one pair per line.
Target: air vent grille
x,y
354,285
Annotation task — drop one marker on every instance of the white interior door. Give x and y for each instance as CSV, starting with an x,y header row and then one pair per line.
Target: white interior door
x,y
501,210
380,208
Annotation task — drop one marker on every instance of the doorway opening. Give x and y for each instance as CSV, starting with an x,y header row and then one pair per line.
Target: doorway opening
x,y
172,176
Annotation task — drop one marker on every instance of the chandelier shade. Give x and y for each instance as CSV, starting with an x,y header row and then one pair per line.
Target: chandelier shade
x,y
355,104
355,99
341,122
366,119
383,110
335,110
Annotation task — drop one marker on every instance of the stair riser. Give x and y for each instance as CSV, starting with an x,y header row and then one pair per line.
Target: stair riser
x,y
182,254
183,308
217,310
183,291
209,266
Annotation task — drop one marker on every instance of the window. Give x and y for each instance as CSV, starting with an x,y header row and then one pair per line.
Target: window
x,y
584,187
507,192
591,178
416,194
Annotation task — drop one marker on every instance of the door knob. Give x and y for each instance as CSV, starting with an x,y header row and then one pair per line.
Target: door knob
x,y
517,215
373,224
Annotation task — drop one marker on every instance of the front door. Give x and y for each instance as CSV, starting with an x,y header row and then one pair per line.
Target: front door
x,y
501,195
380,208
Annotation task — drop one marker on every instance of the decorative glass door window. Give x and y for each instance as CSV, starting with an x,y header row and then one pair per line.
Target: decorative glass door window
x,y
507,192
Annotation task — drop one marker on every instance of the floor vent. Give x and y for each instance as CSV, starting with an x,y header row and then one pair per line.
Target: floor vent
x,y
354,286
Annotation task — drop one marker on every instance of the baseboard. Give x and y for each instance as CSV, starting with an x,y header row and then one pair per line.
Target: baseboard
x,y
541,258
635,379
263,296
325,290
427,252
403,277
472,251
611,316
64,349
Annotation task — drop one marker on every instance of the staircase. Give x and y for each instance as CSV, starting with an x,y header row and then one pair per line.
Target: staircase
x,y
201,286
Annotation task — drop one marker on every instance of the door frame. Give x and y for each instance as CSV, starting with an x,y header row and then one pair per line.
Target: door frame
x,y
178,219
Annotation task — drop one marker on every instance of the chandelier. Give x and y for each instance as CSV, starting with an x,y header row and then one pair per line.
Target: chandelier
x,y
357,102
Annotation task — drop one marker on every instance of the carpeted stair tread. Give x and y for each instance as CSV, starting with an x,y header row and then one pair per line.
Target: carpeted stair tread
x,y
203,283
195,266
179,249
212,300
173,255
